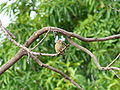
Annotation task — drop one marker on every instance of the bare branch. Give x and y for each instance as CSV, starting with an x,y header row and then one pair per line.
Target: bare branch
x,y
2,69
11,62
114,60
93,56
114,8
45,54
87,51
68,34
25,50
110,68
13,36
56,70
5,30
41,40
115,74
29,51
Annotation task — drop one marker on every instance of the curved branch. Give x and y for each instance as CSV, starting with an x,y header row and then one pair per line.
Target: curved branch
x,y
45,29
113,60
66,33
40,40
56,70
20,53
25,50
87,51
93,56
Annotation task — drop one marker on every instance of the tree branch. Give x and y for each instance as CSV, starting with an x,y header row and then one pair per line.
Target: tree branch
x,y
11,62
66,33
113,60
93,56
33,37
114,8
41,40
8,32
55,70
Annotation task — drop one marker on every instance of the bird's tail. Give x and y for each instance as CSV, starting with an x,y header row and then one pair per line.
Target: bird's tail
x,y
63,56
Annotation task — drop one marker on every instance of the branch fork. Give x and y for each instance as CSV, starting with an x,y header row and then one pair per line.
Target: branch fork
x,y
25,50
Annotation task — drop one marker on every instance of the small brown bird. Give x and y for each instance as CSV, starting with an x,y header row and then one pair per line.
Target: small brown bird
x,y
59,46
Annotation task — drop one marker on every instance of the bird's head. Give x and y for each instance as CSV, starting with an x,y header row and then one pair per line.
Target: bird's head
x,y
59,41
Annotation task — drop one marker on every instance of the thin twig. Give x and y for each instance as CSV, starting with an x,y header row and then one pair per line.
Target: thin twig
x,y
41,40
45,54
113,60
8,32
115,74
114,8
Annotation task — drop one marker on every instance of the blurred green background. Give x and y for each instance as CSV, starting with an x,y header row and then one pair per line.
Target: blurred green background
x,y
88,18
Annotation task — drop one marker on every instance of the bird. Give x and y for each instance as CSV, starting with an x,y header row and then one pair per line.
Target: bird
x,y
59,46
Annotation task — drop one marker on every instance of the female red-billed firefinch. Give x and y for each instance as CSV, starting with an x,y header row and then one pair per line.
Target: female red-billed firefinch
x,y
59,46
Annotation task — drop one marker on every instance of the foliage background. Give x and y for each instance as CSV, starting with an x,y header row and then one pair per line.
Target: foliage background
x,y
88,18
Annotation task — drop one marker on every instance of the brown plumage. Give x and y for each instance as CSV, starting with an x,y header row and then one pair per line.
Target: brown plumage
x,y
59,46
